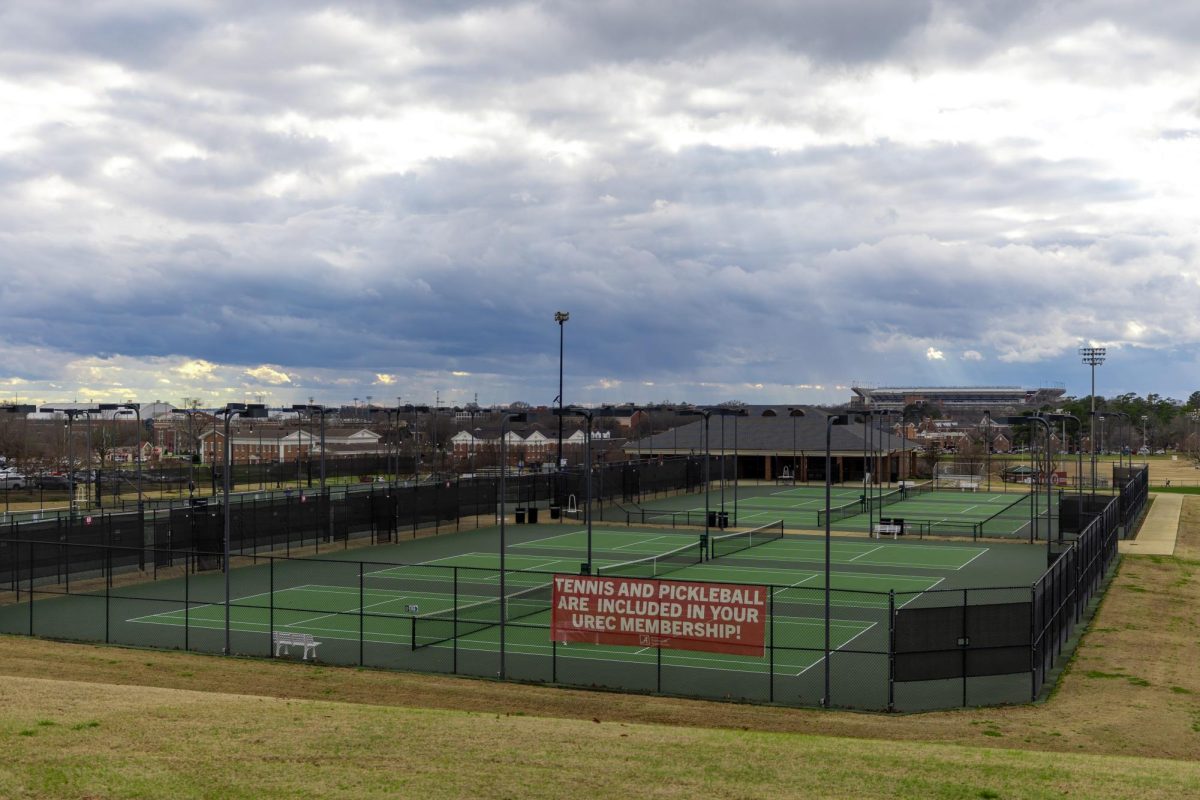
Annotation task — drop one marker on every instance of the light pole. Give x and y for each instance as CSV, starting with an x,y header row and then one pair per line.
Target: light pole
x,y
71,414
13,410
1093,357
561,318
322,411
1121,448
1145,439
1011,421
722,412
795,414
1078,457
136,408
252,411
588,414
505,419
830,421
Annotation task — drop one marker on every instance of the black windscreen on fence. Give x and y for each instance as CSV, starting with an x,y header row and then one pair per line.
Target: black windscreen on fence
x,y
962,641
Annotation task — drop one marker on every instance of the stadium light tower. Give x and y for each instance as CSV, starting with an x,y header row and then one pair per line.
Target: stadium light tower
x,y
1093,357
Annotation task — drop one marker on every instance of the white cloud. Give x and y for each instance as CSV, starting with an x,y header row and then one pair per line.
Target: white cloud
x,y
269,374
970,181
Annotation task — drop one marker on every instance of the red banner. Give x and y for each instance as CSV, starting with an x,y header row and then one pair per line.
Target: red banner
x,y
642,612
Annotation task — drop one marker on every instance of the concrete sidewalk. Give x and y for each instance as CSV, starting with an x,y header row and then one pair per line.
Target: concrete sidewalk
x,y
1159,529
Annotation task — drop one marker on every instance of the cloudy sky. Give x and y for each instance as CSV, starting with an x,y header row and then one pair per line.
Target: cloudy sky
x,y
765,201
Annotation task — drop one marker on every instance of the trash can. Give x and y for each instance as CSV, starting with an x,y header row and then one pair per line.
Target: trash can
x,y
555,512
723,520
532,515
520,516
712,519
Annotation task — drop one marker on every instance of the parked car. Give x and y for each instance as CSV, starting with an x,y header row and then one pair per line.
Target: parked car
x,y
53,481
10,479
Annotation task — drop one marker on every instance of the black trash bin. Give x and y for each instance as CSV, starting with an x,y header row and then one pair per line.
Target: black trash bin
x,y
712,519
532,516
555,512
520,516
723,520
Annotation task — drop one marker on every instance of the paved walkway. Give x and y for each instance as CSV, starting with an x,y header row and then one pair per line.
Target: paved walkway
x,y
1161,526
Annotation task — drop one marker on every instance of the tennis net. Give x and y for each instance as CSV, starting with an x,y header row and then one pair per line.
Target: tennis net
x,y
919,489
736,542
886,499
839,512
656,565
442,626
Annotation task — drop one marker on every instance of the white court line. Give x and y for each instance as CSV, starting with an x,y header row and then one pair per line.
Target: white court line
x,y
190,608
402,567
866,553
643,541
534,568
536,542
797,583
834,650
918,594
972,558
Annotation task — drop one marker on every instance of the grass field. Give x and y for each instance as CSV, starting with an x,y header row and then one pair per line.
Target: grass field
x,y
121,722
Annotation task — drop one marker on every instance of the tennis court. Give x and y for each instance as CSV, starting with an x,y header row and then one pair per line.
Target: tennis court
x,y
925,509
432,605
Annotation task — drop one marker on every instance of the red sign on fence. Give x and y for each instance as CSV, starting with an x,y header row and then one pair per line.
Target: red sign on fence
x,y
639,612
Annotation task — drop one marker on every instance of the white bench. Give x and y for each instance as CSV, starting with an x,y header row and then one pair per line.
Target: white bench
x,y
283,640
881,529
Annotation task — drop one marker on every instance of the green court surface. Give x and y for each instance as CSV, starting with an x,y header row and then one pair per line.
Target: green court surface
x,y
390,596
951,512
366,606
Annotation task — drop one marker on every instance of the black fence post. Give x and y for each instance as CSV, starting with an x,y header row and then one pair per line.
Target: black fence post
x,y
454,663
771,643
964,645
1033,640
187,600
31,588
362,605
891,650
271,605
658,666
107,588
